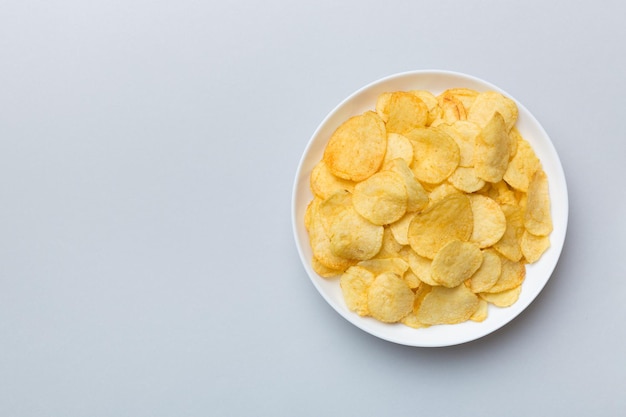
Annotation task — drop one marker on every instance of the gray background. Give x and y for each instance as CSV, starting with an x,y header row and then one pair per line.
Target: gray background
x,y
147,156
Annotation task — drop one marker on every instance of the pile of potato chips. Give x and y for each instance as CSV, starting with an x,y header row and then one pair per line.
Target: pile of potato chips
x,y
429,208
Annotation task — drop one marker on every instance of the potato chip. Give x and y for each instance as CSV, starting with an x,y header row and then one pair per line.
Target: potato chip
x,y
382,106
537,217
324,183
456,262
324,271
487,275
417,198
533,246
492,149
512,275
509,244
390,247
405,112
465,179
504,298
442,305
446,220
382,198
452,109
522,167
333,206
464,134
434,111
487,103
398,146
365,132
502,193
489,221
481,313
379,265
411,279
442,191
422,268
436,154
400,228
321,245
355,283
389,298
354,237
466,96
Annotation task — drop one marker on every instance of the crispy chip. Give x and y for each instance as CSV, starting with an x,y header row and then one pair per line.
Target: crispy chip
x,y
324,271
481,313
465,179
379,265
382,106
411,279
405,112
389,298
382,198
434,111
365,132
400,228
537,217
442,305
522,167
320,243
398,146
324,183
533,246
467,96
487,103
422,267
489,221
512,275
492,150
355,283
509,244
452,109
456,262
504,298
464,134
487,275
436,154
417,198
390,247
447,220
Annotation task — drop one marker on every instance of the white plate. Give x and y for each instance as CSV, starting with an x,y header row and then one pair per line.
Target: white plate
x,y
537,274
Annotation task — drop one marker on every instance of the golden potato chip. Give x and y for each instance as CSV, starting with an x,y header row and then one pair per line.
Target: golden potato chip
x,y
481,313
417,198
405,112
355,283
382,106
400,228
324,183
442,305
492,149
522,167
379,265
324,271
515,137
487,275
436,154
357,148
465,179
411,279
509,244
464,134
487,103
502,193
467,96
452,109
456,262
511,275
333,206
537,217
321,245
504,298
411,319
434,111
441,191
489,221
390,247
382,198
422,268
398,146
446,220
354,237
389,298
533,246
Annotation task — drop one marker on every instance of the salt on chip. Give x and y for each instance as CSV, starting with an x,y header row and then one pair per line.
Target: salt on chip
x,y
354,284
489,221
389,298
446,220
537,217
398,146
382,198
533,246
436,154
487,275
442,305
456,262
492,150
405,112
357,148
487,103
